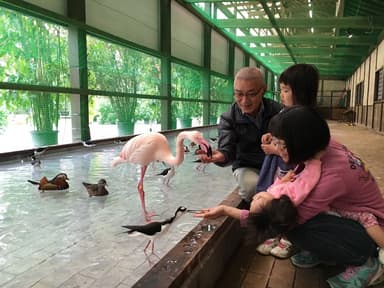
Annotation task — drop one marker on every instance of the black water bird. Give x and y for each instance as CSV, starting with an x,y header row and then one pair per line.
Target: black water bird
x,y
152,228
167,174
36,163
200,166
39,151
88,144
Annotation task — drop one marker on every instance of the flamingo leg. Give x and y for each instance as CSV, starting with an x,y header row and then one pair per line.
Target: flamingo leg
x,y
140,188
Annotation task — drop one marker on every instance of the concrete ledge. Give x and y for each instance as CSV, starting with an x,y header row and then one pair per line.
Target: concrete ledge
x,y
208,258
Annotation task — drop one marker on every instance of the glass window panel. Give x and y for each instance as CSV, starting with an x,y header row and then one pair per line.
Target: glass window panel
x,y
117,68
186,82
186,114
23,112
32,51
216,110
379,85
221,89
112,116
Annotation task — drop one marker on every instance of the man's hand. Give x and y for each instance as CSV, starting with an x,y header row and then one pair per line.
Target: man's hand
x,y
217,156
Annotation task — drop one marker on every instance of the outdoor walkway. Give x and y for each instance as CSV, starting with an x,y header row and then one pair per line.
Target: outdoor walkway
x,y
248,269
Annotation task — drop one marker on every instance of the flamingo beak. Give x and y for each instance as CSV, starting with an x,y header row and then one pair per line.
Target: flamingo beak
x,y
207,148
209,151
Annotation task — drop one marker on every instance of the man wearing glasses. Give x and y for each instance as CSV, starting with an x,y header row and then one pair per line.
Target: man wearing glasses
x,y
241,128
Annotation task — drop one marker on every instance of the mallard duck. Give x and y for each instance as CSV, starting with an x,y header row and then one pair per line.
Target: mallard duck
x,y
59,182
96,189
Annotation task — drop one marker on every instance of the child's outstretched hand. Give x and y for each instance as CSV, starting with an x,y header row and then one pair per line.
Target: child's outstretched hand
x,y
211,212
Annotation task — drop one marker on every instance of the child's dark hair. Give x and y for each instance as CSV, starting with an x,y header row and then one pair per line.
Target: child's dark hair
x,y
304,132
275,219
304,82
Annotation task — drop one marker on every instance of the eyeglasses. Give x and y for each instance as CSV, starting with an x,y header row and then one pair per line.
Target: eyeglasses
x,y
238,93
279,143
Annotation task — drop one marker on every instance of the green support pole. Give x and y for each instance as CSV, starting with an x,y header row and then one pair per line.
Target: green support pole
x,y
79,69
206,73
165,48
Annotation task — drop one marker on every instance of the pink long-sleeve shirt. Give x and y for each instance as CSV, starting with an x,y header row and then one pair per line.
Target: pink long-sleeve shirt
x,y
302,185
345,183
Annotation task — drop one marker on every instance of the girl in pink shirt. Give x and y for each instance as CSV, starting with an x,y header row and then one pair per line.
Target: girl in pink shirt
x,y
344,185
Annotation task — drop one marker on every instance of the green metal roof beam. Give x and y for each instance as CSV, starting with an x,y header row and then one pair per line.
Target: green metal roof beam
x,y
229,14
210,1
311,51
352,22
312,39
277,28
312,59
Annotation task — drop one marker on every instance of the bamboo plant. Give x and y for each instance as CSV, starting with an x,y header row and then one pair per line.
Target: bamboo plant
x,y
45,111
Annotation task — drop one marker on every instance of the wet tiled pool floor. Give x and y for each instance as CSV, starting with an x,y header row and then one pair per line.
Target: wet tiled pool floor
x,y
67,239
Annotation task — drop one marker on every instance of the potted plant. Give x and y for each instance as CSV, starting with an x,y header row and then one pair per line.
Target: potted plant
x,y
186,111
124,107
45,118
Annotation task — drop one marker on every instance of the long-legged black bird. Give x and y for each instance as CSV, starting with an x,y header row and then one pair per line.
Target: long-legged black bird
x,y
152,228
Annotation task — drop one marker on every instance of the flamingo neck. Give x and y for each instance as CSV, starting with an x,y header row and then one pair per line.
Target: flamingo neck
x,y
179,148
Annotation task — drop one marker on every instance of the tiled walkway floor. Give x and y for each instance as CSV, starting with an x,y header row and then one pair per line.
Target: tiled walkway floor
x,y
251,270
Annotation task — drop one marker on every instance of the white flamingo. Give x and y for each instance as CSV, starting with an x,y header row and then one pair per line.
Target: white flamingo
x,y
146,148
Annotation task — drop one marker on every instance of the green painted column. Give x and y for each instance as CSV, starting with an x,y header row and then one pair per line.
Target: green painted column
x,y
77,40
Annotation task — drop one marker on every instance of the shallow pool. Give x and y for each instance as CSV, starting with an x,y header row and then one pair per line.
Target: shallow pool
x,y
68,239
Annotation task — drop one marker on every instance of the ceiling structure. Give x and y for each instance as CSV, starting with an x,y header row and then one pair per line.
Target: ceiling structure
x,y
335,35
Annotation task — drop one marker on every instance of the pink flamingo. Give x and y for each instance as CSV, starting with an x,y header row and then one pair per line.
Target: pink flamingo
x,y
146,148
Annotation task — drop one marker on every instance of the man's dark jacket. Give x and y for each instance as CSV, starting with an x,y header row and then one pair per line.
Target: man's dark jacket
x,y
240,135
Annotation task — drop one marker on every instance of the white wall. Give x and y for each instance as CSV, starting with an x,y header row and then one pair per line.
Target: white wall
x,y
57,6
366,72
252,63
186,35
135,21
239,60
219,53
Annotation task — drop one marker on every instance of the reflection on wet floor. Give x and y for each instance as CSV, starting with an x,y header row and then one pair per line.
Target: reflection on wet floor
x,y
68,239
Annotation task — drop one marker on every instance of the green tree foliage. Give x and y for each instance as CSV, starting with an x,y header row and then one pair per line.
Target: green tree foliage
x,y
187,83
116,68
221,89
33,52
